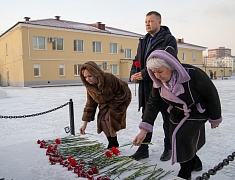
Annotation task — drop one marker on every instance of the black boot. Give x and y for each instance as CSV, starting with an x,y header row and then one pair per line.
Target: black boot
x,y
166,155
143,151
110,142
196,164
114,142
185,170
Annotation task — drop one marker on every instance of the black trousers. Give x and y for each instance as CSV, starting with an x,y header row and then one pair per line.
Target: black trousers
x,y
166,121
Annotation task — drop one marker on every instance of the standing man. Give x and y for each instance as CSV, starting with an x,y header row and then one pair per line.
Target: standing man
x,y
157,37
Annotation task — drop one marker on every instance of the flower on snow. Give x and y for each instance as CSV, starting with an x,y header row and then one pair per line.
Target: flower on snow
x,y
108,154
73,162
115,151
57,141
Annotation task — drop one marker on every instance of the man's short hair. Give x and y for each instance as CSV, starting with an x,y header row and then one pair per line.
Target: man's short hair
x,y
155,13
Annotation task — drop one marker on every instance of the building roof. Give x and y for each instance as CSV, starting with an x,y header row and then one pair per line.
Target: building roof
x,y
219,48
96,27
182,44
58,23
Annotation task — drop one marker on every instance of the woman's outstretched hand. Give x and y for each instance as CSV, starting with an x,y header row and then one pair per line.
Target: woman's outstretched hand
x,y
140,137
83,128
214,126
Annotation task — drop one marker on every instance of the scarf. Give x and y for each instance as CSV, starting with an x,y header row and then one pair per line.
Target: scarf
x,y
171,83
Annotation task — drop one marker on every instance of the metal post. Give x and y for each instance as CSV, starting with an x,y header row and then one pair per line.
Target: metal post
x,y
71,115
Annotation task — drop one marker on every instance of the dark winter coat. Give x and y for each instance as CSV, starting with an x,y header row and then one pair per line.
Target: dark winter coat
x,y
193,100
164,39
111,95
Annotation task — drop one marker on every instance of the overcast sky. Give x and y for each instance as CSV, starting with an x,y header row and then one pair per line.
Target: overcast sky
x,y
207,23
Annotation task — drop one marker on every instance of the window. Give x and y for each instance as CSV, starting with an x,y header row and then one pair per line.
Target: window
x,y
77,69
113,48
105,65
194,56
128,53
183,57
62,70
78,45
58,44
96,46
36,70
39,43
114,69
101,66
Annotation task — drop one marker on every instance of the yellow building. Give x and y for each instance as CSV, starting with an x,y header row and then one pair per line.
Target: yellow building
x,y
190,53
51,51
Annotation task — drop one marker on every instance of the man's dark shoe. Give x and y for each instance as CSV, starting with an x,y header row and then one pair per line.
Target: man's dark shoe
x,y
166,155
139,155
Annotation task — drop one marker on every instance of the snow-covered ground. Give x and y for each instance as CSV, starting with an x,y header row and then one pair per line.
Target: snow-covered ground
x,y
22,159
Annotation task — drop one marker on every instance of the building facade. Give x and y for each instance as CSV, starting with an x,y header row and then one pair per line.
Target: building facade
x,y
221,61
190,53
50,52
219,52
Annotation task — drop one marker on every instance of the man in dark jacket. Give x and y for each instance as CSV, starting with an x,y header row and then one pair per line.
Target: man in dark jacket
x,y
157,37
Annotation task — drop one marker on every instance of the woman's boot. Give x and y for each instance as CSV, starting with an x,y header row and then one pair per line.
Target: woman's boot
x,y
196,164
110,142
185,170
114,142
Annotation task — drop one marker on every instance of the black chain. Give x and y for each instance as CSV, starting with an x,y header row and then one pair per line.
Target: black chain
x,y
220,166
36,114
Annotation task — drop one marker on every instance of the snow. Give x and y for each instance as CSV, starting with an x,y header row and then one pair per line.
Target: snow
x,y
2,93
22,159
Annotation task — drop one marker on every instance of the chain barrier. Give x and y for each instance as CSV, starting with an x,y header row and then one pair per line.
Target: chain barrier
x,y
66,129
32,115
225,162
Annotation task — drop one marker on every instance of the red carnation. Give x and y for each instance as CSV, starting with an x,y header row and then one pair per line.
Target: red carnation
x,y
69,168
137,64
115,151
90,172
108,154
90,177
57,141
95,170
73,162
69,158
83,174
49,147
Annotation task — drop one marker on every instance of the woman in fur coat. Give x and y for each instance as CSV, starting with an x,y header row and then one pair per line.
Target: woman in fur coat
x,y
111,95
193,100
